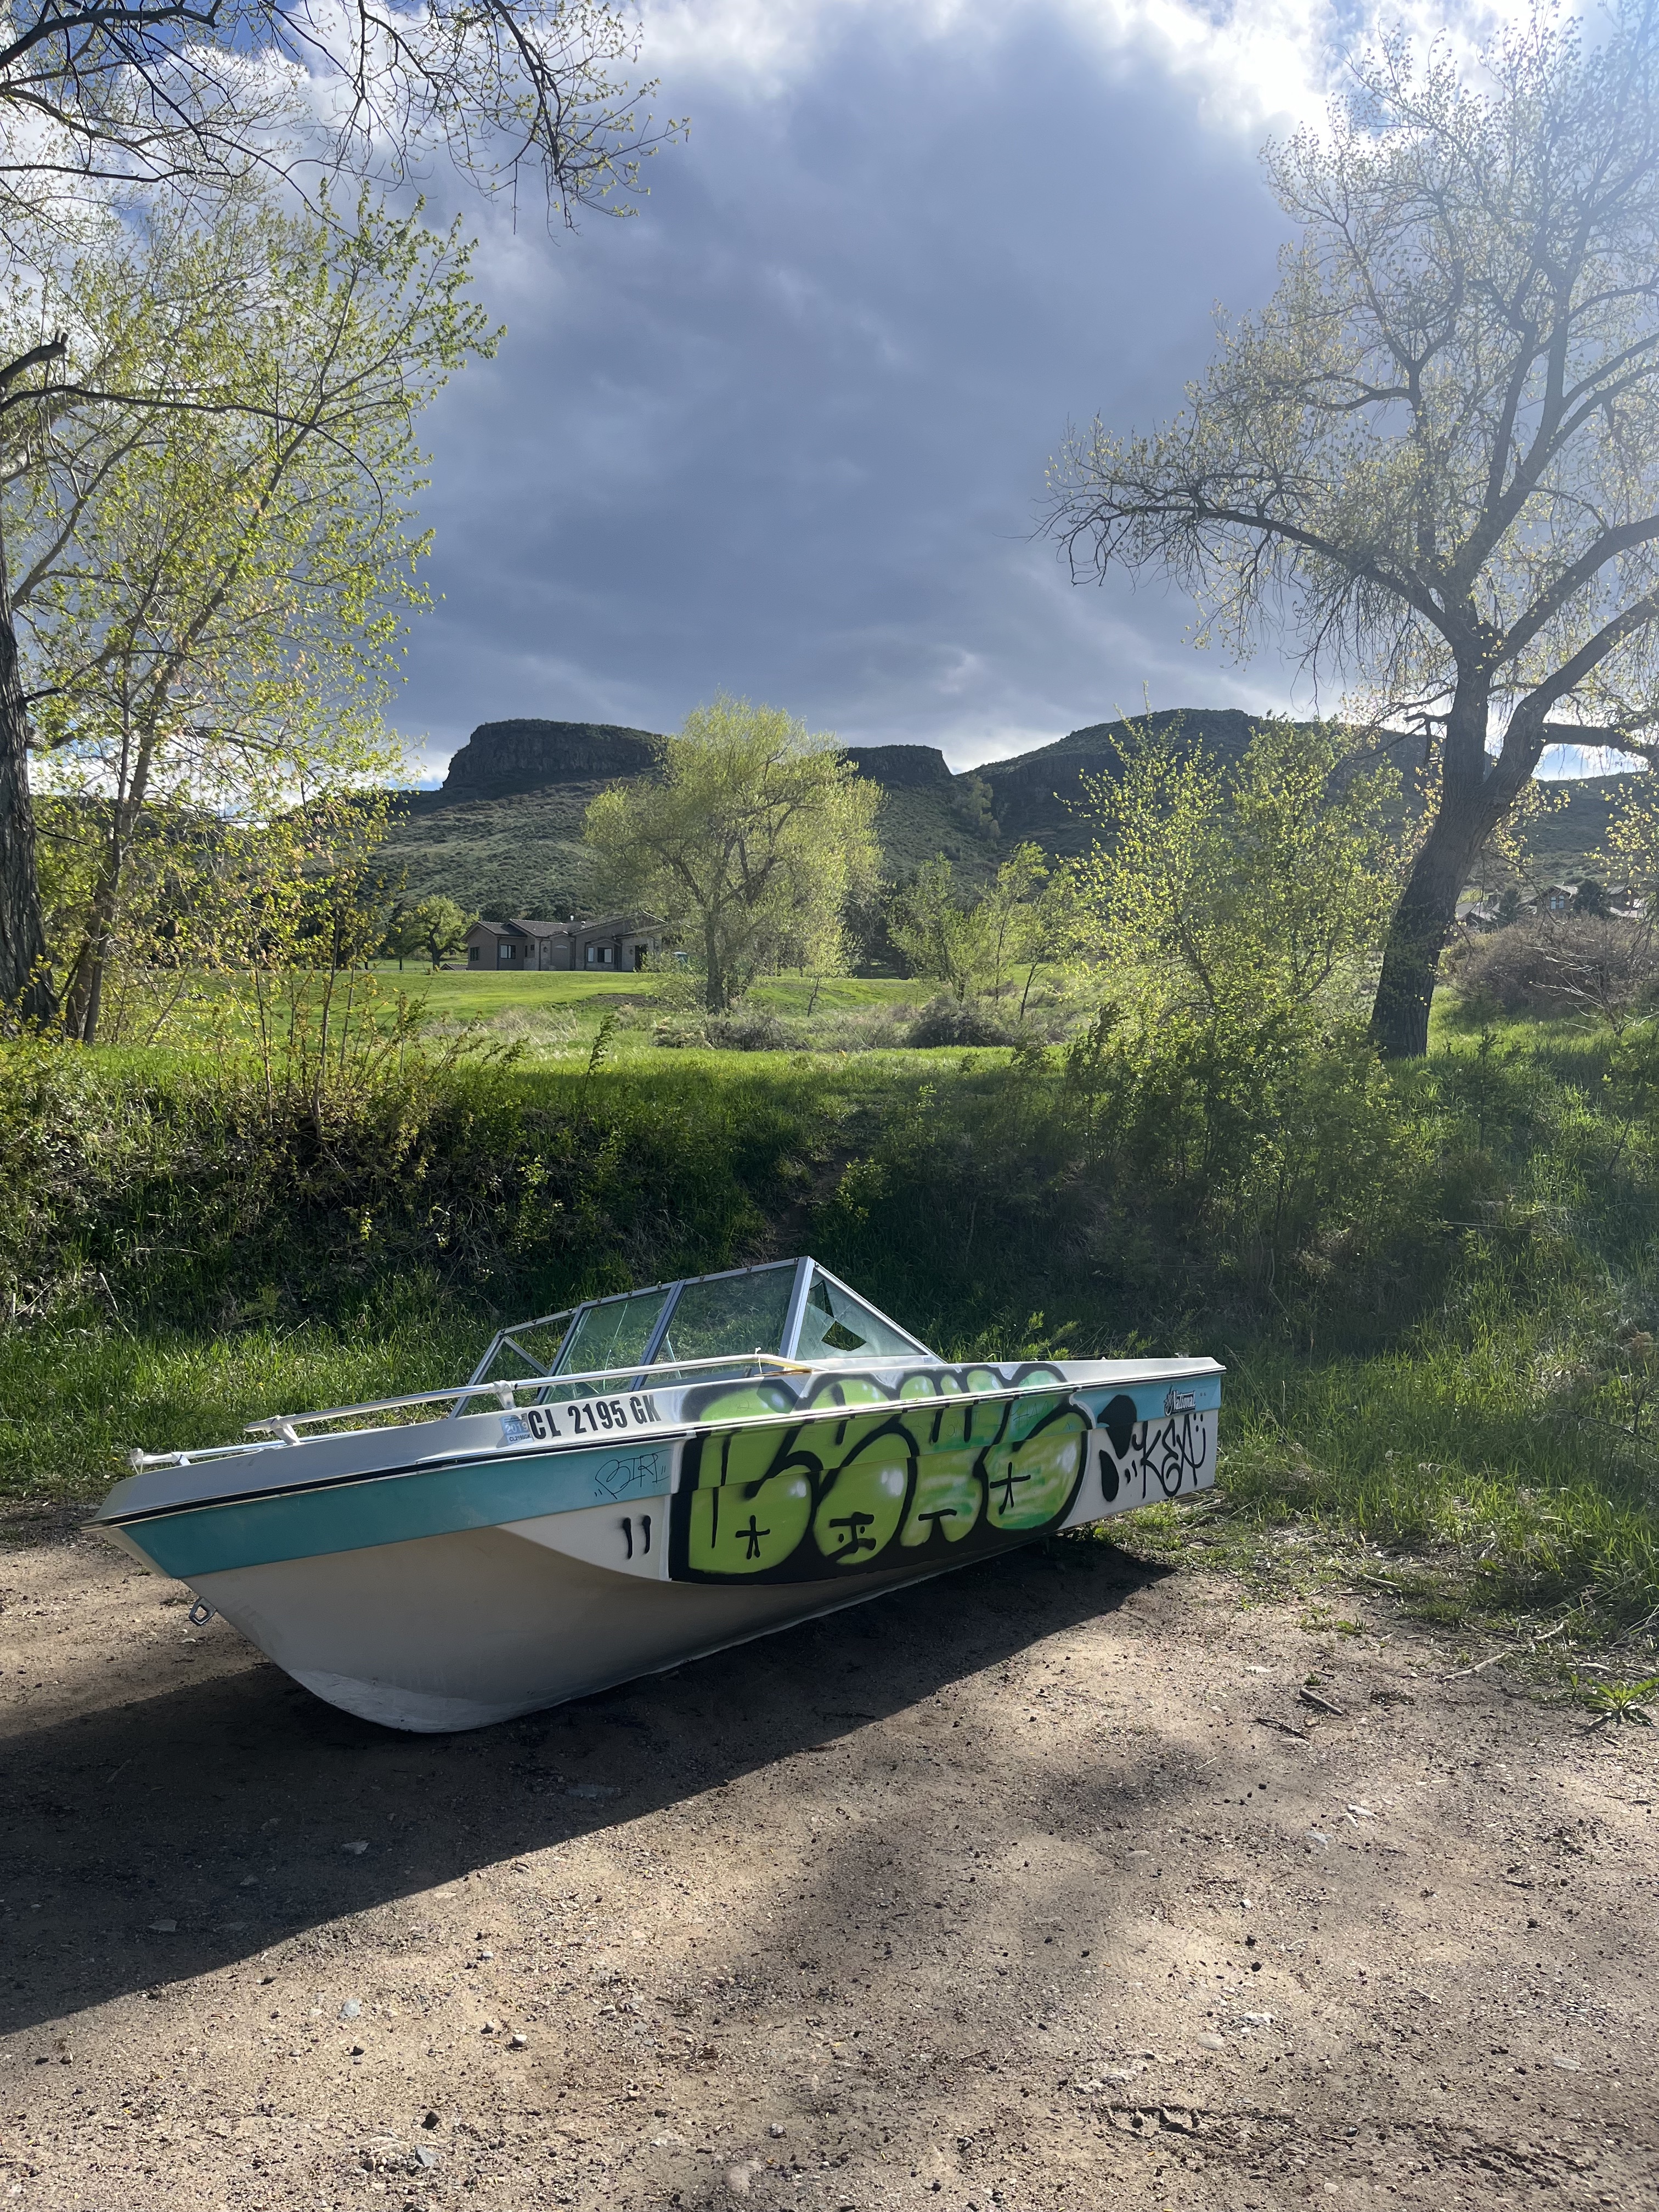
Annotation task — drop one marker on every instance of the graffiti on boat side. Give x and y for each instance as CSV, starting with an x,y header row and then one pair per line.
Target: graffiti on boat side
x,y
901,1481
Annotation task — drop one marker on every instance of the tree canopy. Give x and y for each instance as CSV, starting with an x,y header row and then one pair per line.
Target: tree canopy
x,y
750,844
125,92
1434,457
212,599
120,109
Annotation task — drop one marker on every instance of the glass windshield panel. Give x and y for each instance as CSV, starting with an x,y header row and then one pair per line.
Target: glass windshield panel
x,y
614,1334
833,1325
530,1348
731,1315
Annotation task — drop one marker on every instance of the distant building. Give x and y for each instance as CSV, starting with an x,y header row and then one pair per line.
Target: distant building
x,y
1487,910
618,943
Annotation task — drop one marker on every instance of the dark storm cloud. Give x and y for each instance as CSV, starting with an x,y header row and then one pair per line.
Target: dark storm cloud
x,y
785,432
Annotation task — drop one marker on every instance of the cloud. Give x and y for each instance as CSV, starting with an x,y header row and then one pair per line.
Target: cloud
x,y
784,432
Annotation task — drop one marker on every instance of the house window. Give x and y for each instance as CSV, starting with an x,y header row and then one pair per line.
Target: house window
x,y
504,953
471,955
599,955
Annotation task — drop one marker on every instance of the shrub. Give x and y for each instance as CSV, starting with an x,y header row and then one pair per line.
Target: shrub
x,y
747,1028
945,1021
1560,965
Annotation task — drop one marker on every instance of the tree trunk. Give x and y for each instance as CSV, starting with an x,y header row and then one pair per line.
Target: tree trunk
x,y
26,991
1476,794
1422,922
84,997
713,992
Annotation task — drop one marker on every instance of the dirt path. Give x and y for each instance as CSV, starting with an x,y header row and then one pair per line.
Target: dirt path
x,y
999,1894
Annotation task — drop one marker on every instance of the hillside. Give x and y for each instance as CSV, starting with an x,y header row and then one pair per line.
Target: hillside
x,y
503,835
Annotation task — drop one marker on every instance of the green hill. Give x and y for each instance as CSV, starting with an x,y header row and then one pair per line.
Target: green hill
x,y
503,835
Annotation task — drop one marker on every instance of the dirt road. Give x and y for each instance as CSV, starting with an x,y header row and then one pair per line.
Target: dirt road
x,y
1014,1891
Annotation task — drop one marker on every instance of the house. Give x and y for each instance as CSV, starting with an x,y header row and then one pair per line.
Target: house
x,y
618,942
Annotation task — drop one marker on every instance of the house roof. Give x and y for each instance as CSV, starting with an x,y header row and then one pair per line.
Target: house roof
x,y
615,924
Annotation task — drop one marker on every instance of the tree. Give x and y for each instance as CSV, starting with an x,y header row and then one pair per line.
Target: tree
x,y
148,92
941,935
1435,454
1249,902
112,103
439,928
751,843
212,602
1014,928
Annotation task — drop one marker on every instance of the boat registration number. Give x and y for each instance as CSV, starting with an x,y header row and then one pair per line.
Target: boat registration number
x,y
587,1416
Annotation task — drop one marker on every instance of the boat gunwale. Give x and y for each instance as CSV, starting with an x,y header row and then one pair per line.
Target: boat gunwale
x,y
672,1434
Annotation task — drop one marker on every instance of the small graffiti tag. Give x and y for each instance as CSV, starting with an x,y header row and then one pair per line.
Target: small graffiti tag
x,y
628,1478
1174,1454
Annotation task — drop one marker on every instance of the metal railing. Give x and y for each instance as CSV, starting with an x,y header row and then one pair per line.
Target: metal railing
x,y
280,1429
504,1388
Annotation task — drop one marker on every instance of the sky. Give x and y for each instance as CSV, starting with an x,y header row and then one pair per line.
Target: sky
x,y
784,431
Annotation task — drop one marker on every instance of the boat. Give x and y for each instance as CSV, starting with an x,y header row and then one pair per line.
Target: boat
x,y
640,1481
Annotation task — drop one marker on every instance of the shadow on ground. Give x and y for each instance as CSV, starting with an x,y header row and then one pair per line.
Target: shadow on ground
x,y
232,1807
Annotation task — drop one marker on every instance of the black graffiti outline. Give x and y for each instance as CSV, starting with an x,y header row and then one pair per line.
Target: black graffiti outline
x,y
1157,1449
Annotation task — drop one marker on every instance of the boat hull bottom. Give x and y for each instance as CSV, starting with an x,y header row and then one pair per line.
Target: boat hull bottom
x,y
443,1633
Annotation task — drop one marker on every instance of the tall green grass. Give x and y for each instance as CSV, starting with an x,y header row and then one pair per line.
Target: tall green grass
x,y
1442,1358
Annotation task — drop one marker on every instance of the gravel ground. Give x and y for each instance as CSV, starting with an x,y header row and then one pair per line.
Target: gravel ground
x,y
1037,1887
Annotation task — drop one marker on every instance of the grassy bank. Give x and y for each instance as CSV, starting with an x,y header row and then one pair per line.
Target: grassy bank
x,y
1439,1321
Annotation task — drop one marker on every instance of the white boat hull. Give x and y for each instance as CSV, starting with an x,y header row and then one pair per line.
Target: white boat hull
x,y
456,1631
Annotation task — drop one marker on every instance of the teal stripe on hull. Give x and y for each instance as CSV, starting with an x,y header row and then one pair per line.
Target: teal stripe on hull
x,y
1155,1400
349,1516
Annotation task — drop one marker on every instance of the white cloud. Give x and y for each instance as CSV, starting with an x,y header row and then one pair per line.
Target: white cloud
x,y
1249,67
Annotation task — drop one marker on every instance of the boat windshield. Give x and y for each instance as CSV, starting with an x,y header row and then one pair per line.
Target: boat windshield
x,y
785,1308
613,1333
730,1314
834,1325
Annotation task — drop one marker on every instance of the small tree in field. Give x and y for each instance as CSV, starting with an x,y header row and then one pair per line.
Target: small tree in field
x,y
1436,452
940,933
439,928
1246,902
1017,926
751,843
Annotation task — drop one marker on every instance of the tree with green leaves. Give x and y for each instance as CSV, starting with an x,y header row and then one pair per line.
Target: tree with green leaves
x,y
439,928
1017,926
1246,900
1434,456
750,844
940,931
213,603
129,109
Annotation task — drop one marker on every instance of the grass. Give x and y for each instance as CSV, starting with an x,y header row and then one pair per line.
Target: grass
x,y
550,1019
1475,1434
73,1405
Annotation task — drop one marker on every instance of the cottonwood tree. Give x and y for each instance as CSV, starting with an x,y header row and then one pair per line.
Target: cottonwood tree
x,y
439,928
751,843
124,100
1434,458
213,599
